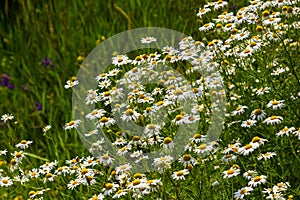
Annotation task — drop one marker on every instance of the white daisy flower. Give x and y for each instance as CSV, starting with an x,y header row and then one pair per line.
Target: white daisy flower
x,y
74,183
23,144
275,104
231,172
248,123
46,128
273,120
241,193
5,181
266,156
179,175
120,60
257,180
72,124
6,117
285,131
148,40
247,149
258,114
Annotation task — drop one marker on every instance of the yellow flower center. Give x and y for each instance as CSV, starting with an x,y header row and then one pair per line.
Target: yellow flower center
x,y
273,117
23,142
49,175
71,123
84,171
180,173
108,186
138,175
257,112
136,138
244,191
248,146
257,179
103,119
255,139
178,117
74,182
129,112
186,157
136,182
167,140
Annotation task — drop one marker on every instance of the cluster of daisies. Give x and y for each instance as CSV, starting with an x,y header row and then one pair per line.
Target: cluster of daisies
x,y
141,104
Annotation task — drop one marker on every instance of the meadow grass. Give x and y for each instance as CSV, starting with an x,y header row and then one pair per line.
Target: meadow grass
x,y
43,44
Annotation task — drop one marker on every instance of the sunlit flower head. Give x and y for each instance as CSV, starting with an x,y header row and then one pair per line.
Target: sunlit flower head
x,y
273,120
148,40
257,180
72,124
23,144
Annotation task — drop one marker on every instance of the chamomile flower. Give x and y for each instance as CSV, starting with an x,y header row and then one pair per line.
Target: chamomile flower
x,y
130,114
262,91
231,172
266,156
203,148
197,138
3,152
73,183
275,104
92,97
123,168
105,159
72,124
187,160
297,133
207,27
6,117
23,144
241,193
148,40
18,156
278,71
71,83
49,177
120,60
97,197
109,188
104,84
285,131
258,140
257,180
249,148
5,181
163,163
46,128
258,114
203,12
179,175
250,174
152,130
168,143
239,110
96,113
92,132
273,120
248,123
105,122
119,194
